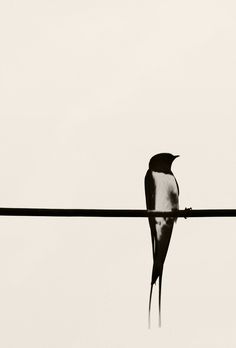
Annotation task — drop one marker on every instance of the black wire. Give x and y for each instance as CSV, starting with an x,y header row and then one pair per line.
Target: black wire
x,y
132,213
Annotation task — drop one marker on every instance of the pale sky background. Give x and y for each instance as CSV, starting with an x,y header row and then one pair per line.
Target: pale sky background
x,y
90,90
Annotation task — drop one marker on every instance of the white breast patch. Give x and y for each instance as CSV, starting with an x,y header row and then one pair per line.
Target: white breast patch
x,y
166,196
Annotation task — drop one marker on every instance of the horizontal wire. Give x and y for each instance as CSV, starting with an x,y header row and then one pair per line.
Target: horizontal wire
x,y
124,213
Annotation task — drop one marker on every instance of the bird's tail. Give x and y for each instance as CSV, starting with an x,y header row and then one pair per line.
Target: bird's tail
x,y
149,308
159,302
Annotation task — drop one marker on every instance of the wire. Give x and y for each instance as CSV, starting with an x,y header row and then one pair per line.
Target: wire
x,y
123,213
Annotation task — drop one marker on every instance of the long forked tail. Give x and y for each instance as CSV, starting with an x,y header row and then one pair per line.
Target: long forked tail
x,y
159,301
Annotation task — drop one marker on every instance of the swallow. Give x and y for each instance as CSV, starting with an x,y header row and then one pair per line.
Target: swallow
x,y
162,194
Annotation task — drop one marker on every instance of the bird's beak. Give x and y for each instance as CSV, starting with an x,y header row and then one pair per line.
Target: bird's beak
x,y
176,156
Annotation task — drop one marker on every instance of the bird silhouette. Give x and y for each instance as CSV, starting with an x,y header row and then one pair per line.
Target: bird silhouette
x,y
162,194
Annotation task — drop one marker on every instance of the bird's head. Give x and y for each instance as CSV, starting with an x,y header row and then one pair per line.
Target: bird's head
x,y
162,162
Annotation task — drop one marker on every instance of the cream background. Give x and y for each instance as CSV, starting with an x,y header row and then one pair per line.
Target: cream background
x,y
90,90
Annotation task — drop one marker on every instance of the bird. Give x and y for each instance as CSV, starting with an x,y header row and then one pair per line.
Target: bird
x,y
162,194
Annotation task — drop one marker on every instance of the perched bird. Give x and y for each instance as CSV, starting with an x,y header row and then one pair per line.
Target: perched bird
x,y
162,194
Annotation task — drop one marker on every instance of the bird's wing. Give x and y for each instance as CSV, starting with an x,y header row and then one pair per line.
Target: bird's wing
x,y
150,189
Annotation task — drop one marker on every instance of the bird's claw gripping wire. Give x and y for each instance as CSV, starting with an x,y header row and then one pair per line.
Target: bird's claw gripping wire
x,y
186,211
